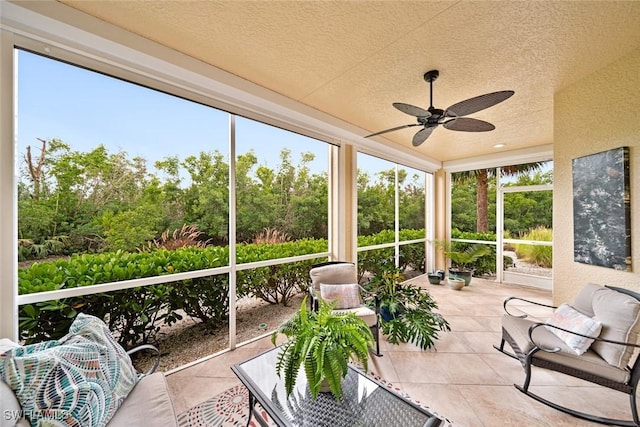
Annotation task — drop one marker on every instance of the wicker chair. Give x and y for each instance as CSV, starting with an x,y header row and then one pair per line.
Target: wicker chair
x,y
534,344
344,273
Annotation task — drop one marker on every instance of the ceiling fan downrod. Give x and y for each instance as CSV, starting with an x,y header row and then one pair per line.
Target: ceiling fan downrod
x,y
431,76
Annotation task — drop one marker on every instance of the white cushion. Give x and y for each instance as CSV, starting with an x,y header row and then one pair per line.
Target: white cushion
x,y
363,312
333,273
620,315
568,318
344,296
148,404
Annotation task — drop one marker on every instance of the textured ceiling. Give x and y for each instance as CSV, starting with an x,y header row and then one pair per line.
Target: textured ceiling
x,y
352,59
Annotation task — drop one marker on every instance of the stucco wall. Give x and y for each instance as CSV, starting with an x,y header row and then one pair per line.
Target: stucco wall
x,y
596,114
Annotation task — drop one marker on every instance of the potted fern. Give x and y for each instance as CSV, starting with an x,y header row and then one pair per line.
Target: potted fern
x,y
323,342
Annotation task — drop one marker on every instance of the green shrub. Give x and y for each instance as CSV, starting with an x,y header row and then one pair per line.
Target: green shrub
x,y
277,283
375,261
485,265
136,314
535,254
203,298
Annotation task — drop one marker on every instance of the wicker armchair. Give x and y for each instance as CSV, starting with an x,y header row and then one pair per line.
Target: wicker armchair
x,y
608,361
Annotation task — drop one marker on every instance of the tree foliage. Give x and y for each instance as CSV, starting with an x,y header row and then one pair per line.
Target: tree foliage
x,y
523,211
102,201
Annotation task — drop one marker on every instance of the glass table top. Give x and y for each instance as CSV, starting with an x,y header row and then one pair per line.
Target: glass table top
x,y
364,401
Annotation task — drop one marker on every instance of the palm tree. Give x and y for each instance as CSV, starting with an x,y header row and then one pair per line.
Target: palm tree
x,y
481,177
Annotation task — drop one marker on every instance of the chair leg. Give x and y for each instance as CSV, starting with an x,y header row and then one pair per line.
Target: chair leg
x,y
526,364
583,415
634,406
377,338
503,351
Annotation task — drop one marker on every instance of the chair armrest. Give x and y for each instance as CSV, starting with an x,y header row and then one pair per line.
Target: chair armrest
x,y
522,316
556,349
152,349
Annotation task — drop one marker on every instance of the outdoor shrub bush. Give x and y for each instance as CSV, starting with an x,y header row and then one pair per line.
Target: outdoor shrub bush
x,y
203,298
277,283
412,256
375,261
535,254
136,314
485,265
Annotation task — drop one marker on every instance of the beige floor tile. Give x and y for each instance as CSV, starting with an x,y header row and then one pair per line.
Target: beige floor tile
x,y
502,406
463,323
451,342
420,367
445,400
383,367
464,378
187,391
471,369
480,342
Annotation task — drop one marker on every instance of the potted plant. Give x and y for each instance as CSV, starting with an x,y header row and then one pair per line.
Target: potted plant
x,y
455,284
462,260
323,342
407,312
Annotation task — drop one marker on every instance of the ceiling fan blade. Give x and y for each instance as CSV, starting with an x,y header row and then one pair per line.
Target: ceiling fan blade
x,y
478,103
467,124
422,136
412,110
392,129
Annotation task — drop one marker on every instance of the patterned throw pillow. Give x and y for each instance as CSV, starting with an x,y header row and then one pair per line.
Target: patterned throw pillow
x,y
345,296
569,318
79,380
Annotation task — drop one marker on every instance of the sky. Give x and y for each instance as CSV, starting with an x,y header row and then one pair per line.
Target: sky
x,y
85,109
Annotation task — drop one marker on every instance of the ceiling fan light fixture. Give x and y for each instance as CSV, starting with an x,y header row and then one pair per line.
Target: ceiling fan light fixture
x,y
432,117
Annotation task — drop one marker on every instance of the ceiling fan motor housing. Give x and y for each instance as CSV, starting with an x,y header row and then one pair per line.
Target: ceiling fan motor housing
x,y
431,76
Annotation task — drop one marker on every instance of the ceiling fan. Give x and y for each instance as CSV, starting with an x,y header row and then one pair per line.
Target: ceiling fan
x,y
451,118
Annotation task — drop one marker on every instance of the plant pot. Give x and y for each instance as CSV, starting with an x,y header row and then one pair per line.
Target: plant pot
x,y
455,284
461,274
434,279
387,316
324,386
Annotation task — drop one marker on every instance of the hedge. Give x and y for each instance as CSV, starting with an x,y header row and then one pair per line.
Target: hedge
x,y
136,314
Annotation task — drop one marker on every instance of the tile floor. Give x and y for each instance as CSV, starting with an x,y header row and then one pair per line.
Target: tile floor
x,y
464,378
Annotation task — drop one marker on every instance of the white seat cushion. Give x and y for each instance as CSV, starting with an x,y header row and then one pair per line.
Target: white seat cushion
x,y
518,329
365,313
148,404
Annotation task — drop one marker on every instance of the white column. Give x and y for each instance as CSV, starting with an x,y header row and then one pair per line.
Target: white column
x,y
8,191
397,218
343,203
232,231
430,222
499,228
